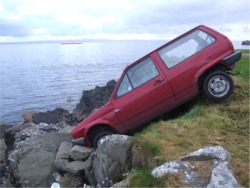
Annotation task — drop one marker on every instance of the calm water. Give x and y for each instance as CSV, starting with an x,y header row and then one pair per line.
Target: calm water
x,y
41,77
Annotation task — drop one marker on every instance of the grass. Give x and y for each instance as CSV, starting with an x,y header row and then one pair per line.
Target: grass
x,y
205,124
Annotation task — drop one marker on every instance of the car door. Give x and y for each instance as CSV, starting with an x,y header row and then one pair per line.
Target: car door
x,y
142,94
183,58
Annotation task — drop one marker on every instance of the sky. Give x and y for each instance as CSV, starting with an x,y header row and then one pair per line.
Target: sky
x,y
35,20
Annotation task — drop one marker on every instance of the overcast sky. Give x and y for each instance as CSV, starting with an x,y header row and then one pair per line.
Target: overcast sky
x,y
29,20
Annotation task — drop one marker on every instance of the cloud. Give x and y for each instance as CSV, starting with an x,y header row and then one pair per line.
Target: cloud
x,y
84,18
13,28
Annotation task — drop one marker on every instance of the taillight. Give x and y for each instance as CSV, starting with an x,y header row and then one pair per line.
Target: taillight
x,y
230,43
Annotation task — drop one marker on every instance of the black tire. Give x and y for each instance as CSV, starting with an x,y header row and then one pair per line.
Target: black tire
x,y
99,136
218,86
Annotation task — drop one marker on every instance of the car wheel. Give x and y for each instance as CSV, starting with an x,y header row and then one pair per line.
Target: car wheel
x,y
218,86
100,138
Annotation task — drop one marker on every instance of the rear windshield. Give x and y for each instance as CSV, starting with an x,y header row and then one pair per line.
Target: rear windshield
x,y
185,47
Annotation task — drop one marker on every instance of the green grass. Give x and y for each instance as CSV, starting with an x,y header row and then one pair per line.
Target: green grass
x,y
243,65
205,124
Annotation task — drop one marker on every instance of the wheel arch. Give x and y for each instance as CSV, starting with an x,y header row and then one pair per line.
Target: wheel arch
x,y
94,130
217,67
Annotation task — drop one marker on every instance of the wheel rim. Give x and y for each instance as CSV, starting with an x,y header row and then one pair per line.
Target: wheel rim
x,y
218,86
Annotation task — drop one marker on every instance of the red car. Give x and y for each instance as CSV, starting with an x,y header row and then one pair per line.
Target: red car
x,y
163,80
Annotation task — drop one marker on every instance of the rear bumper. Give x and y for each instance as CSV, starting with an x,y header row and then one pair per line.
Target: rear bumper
x,y
233,58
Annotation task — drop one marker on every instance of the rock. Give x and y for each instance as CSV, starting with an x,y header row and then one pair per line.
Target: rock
x,y
66,129
64,150
69,180
51,117
3,127
76,167
3,148
222,176
92,99
207,167
5,182
62,156
208,153
80,153
89,171
113,158
38,146
36,168
27,116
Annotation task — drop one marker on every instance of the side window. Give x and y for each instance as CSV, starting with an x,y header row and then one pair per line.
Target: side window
x,y
185,47
137,75
124,87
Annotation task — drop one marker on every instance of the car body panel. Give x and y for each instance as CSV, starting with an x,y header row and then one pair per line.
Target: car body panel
x,y
138,106
160,81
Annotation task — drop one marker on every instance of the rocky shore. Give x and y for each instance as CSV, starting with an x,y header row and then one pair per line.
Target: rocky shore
x,y
39,137
39,153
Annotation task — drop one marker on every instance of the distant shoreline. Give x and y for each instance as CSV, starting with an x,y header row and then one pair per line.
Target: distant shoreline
x,y
237,44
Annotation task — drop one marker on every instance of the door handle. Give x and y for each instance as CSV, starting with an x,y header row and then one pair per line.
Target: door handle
x,y
159,81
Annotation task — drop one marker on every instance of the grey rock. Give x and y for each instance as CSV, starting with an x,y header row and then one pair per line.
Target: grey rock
x,y
113,158
35,168
222,176
79,167
80,152
5,182
3,127
62,156
214,159
70,180
46,144
3,147
208,153
89,171
66,129
61,164
64,151
76,167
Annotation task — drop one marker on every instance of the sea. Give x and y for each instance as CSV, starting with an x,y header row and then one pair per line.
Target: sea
x,y
44,76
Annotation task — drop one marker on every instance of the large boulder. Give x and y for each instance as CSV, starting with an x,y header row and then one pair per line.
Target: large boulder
x,y
36,168
92,99
113,158
206,167
31,160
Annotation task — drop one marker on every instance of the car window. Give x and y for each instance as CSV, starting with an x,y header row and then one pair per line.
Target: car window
x,y
185,47
137,75
124,87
